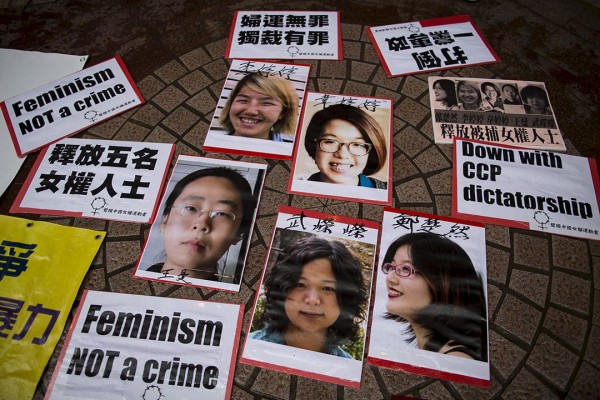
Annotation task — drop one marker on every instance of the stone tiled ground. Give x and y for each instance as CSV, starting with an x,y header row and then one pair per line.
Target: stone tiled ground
x,y
542,289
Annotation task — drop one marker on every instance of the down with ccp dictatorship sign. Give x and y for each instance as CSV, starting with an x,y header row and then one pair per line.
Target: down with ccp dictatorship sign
x,y
528,189
123,346
69,105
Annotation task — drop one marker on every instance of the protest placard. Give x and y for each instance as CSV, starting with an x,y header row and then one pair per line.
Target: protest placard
x,y
344,149
308,35
203,230
430,309
257,113
430,45
69,105
41,268
22,71
311,311
124,346
527,189
96,179
493,110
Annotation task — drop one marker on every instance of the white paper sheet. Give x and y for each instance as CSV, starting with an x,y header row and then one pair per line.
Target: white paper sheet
x,y
23,71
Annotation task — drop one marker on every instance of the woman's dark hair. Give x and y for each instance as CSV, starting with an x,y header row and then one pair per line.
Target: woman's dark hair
x,y
350,286
531,91
448,86
245,191
368,127
456,315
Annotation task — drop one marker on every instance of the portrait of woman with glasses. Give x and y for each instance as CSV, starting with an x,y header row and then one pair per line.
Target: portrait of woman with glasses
x,y
347,145
433,287
207,211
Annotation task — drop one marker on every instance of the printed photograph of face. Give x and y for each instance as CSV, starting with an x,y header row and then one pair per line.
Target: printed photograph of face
x,y
314,295
535,100
261,107
434,289
205,221
344,145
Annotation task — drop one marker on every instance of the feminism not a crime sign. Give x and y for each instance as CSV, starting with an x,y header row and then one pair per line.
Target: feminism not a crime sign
x,y
69,105
124,346
528,189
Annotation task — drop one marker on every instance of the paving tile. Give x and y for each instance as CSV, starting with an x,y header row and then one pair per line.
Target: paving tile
x,y
586,384
592,353
532,285
553,361
570,291
431,160
333,69
169,98
570,253
497,264
195,58
170,72
148,114
526,386
194,82
531,251
568,327
361,71
519,318
414,191
505,355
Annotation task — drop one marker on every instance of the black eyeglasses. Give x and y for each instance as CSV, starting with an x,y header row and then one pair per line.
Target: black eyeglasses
x,y
356,148
401,270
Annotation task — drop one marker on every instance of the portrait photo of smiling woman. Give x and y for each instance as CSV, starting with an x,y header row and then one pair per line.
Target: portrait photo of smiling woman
x,y
257,112
201,235
345,149
430,309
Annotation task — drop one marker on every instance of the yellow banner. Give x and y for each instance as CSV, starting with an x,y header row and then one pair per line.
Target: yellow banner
x,y
41,268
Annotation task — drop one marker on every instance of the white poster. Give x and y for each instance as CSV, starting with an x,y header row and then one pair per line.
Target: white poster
x,y
501,111
430,309
69,105
259,108
23,71
344,149
202,233
124,346
105,179
310,314
301,35
527,189
430,45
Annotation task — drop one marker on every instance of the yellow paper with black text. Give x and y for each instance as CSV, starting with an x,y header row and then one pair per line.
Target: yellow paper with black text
x,y
42,266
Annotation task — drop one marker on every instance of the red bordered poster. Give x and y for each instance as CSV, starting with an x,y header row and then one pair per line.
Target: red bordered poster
x,y
310,314
430,310
202,233
344,149
495,111
527,189
257,113
69,105
299,35
107,179
124,346
430,45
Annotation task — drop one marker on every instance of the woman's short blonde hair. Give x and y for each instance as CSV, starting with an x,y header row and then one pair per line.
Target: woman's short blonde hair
x,y
273,86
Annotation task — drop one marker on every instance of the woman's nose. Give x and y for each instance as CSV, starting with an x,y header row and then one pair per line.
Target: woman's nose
x,y
202,222
312,297
252,108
